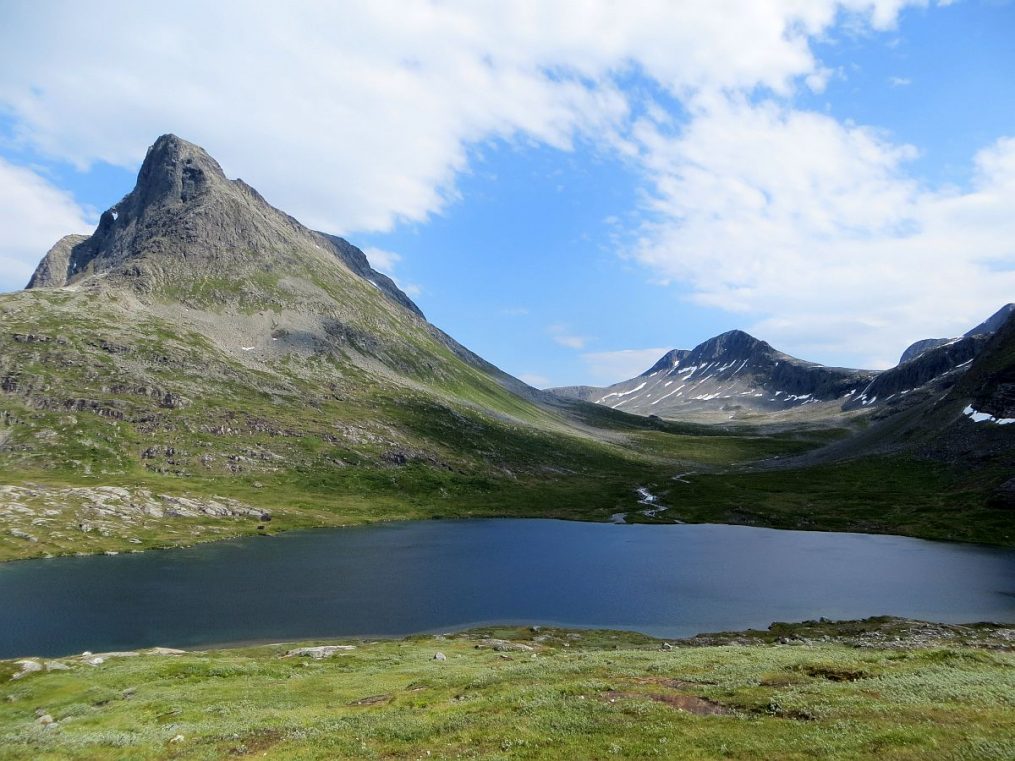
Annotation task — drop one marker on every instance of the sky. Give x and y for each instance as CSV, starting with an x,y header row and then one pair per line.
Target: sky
x,y
568,188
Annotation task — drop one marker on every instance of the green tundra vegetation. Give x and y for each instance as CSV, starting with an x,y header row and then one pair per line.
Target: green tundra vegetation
x,y
877,689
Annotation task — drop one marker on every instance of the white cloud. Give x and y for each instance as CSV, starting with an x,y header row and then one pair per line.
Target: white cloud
x,y
899,81
381,260
386,261
33,216
562,334
514,311
373,106
355,116
608,367
816,229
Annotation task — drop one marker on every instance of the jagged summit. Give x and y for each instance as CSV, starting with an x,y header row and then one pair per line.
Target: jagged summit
x,y
186,227
176,169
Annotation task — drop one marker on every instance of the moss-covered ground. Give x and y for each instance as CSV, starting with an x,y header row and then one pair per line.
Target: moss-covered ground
x,y
518,694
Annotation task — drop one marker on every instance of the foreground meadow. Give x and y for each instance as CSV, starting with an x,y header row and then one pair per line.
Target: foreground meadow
x,y
882,688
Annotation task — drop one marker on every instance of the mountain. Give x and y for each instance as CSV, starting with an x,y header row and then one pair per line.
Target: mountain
x,y
737,377
987,327
203,346
943,362
733,376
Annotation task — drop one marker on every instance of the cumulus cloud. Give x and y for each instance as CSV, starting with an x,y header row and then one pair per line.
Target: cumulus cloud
x,y
357,116
608,367
374,105
33,216
385,261
815,229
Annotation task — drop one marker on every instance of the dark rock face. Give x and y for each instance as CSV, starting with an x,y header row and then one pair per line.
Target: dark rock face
x,y
357,261
186,219
770,367
52,270
990,381
993,323
952,356
919,347
668,361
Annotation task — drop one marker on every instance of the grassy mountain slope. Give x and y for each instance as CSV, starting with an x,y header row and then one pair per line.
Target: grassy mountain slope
x,y
201,344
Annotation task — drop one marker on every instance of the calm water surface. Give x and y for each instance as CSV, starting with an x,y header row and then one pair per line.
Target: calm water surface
x,y
400,578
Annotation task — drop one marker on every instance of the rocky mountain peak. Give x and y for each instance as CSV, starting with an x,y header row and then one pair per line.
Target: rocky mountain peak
x,y
733,344
185,225
175,170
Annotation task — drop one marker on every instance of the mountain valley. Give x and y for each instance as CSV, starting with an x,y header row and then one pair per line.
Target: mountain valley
x,y
204,366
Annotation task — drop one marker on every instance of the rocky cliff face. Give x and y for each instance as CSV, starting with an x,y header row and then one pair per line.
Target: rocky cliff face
x,y
185,222
950,358
990,382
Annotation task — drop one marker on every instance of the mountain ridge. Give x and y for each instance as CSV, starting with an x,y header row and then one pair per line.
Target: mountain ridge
x,y
779,385
727,377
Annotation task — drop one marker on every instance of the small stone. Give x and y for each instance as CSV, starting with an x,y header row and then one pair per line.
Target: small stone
x,y
27,667
45,719
667,646
317,653
165,651
439,656
178,739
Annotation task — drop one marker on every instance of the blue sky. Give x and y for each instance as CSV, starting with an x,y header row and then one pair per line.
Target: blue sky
x,y
566,188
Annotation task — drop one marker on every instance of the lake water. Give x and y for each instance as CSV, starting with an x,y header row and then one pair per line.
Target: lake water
x,y
400,578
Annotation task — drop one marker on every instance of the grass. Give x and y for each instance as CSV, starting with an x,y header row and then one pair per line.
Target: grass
x,y
874,495
557,694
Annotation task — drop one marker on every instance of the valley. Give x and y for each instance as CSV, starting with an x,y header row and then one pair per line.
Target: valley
x,y
204,366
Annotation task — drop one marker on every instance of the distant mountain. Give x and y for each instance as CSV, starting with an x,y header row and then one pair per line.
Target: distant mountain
x,y
731,376
952,357
735,376
987,327
989,384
